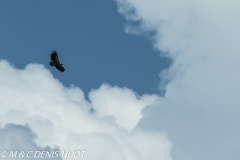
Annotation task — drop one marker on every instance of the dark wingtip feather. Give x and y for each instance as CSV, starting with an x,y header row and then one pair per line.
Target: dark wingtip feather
x,y
54,51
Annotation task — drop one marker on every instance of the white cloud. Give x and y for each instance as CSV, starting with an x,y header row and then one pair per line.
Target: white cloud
x,y
20,138
200,109
61,116
121,103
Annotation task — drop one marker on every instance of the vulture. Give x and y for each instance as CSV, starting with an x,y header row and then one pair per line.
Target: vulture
x,y
55,62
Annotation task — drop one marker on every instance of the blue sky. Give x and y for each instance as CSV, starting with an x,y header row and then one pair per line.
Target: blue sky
x,y
89,37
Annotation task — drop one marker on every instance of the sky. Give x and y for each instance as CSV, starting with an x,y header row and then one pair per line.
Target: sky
x,y
144,79
89,38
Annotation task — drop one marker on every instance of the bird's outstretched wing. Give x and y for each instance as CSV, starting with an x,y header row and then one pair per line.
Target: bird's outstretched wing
x,y
54,57
60,67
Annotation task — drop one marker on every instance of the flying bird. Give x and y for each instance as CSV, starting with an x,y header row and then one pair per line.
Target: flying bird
x,y
55,62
